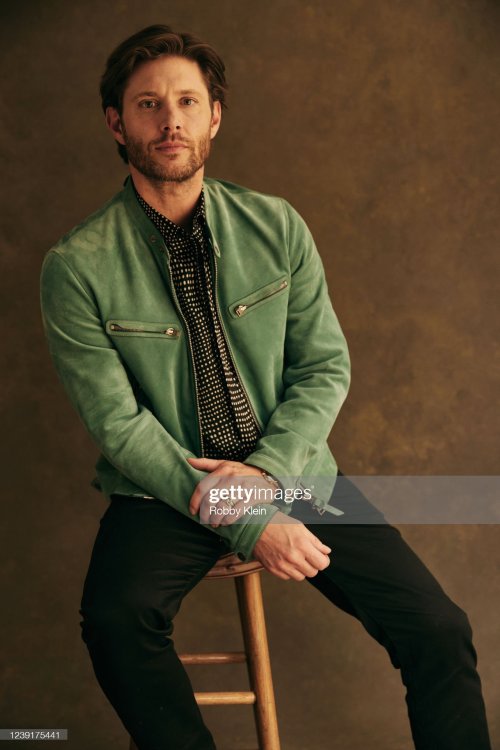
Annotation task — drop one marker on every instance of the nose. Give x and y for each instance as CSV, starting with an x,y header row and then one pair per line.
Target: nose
x,y
171,120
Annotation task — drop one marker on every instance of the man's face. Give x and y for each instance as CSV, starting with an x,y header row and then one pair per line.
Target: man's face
x,y
167,123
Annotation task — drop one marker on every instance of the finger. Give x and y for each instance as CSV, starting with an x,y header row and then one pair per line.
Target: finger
x,y
296,575
208,511
305,562
308,569
282,570
212,485
215,479
221,479
243,508
204,464
292,569
319,545
202,490
238,511
231,512
317,559
224,477
217,516
196,498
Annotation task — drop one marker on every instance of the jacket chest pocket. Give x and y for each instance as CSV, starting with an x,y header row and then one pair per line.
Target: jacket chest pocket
x,y
122,328
252,301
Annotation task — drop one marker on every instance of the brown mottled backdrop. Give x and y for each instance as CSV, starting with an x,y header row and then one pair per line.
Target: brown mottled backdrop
x,y
378,120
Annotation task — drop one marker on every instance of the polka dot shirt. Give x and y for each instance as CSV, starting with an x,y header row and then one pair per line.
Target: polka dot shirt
x,y
228,427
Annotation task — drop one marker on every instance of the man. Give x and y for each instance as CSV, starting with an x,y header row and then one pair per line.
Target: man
x,y
190,323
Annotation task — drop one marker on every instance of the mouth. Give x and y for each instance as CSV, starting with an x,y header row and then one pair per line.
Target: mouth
x,y
170,148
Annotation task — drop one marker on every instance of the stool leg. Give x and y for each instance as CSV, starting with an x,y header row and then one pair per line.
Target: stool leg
x,y
253,625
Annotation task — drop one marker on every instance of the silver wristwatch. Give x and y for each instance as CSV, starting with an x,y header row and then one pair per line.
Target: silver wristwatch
x,y
270,479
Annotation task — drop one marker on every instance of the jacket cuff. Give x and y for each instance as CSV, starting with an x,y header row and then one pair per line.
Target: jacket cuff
x,y
262,461
252,531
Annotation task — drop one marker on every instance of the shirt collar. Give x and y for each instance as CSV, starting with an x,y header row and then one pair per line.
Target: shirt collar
x,y
168,228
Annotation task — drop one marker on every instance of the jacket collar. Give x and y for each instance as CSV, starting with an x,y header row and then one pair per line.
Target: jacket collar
x,y
147,227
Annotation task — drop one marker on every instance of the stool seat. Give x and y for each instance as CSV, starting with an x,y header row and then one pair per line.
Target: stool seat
x,y
255,653
230,566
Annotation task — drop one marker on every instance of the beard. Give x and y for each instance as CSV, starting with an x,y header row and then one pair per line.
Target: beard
x,y
142,156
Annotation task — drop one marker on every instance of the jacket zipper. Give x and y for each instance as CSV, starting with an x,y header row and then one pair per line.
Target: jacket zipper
x,y
173,332
186,327
229,345
241,309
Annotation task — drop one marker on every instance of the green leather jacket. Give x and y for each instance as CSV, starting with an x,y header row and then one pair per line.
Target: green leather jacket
x,y
120,345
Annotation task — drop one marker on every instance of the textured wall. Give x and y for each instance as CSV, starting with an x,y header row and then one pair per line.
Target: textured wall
x,y
378,120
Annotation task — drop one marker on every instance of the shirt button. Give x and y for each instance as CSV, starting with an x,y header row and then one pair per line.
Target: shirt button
x,y
152,239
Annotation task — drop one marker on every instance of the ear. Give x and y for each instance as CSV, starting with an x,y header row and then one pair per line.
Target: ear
x,y
114,123
216,118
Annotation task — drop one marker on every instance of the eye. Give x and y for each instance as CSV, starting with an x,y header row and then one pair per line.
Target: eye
x,y
148,104
188,101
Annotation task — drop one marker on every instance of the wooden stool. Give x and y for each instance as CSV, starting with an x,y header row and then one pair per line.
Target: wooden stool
x,y
256,654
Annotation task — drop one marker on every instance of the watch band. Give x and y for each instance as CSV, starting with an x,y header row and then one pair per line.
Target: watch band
x,y
270,479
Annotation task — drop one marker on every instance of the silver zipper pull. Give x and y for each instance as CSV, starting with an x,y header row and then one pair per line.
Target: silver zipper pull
x,y
166,332
240,309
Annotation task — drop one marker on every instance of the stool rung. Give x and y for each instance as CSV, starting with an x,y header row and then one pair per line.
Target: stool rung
x,y
216,657
225,698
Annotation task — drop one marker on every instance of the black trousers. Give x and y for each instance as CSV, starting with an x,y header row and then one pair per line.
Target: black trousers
x,y
147,557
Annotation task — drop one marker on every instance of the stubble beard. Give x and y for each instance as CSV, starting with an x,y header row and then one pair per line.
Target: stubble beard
x,y
143,157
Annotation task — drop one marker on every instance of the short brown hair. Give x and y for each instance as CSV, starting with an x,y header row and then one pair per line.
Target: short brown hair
x,y
148,44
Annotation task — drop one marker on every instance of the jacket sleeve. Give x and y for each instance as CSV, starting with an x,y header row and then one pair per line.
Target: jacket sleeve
x,y
316,373
96,381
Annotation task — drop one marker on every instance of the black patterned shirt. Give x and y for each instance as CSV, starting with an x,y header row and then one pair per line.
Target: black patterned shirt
x,y
228,427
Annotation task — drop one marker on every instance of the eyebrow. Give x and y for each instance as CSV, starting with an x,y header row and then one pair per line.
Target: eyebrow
x,y
145,93
184,92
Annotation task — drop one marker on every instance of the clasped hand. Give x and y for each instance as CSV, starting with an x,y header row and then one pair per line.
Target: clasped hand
x,y
229,487
286,547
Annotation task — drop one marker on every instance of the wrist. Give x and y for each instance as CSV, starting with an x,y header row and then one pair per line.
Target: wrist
x,y
270,479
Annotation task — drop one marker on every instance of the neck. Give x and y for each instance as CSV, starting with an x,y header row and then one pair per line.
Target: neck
x,y
175,200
